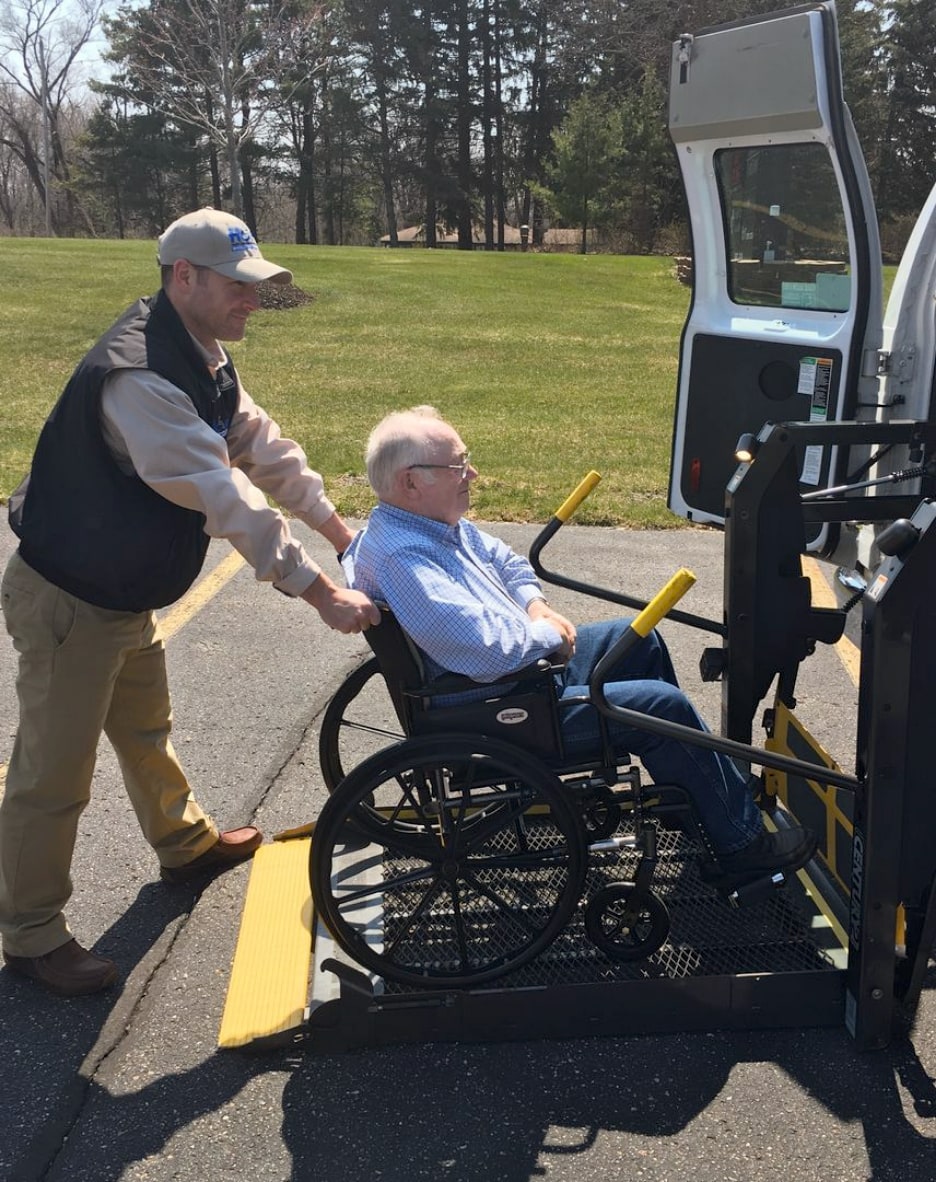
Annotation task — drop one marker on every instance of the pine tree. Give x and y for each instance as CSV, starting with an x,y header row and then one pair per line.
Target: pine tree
x,y
908,145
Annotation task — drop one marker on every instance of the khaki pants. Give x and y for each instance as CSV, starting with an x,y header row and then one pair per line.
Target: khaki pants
x,y
82,670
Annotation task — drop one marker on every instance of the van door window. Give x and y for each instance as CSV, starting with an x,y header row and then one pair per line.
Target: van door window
x,y
785,227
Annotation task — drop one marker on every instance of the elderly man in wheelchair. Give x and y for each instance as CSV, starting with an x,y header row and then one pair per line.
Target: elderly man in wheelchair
x,y
509,774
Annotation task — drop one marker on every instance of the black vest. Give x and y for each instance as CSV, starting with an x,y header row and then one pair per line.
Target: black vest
x,y
88,527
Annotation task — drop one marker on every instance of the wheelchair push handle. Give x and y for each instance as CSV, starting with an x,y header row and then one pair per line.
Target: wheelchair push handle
x,y
638,629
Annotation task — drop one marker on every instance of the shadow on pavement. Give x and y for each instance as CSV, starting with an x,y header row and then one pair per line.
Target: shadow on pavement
x,y
49,1045
514,1112
739,1105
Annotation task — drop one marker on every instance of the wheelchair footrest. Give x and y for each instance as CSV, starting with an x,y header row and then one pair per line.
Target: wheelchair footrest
x,y
756,891
742,892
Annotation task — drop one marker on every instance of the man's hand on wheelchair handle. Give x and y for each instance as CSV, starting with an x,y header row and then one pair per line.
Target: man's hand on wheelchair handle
x,y
342,610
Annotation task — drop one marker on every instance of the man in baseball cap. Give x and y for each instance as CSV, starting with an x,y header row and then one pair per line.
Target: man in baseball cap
x,y
153,447
211,238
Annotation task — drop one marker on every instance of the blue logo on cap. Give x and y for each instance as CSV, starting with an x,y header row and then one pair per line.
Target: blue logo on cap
x,y
242,241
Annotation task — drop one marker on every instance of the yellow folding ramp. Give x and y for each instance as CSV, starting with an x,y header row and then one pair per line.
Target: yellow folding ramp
x,y
269,985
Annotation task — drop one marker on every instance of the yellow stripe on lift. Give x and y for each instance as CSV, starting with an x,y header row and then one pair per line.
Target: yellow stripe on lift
x,y
826,916
269,986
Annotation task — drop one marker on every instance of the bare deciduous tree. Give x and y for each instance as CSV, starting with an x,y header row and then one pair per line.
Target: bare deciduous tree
x,y
40,43
216,66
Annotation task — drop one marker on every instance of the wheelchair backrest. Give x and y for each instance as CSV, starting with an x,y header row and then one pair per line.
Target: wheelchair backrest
x,y
399,660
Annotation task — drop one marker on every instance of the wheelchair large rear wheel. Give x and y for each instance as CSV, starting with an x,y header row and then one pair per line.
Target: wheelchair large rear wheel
x,y
359,720
485,872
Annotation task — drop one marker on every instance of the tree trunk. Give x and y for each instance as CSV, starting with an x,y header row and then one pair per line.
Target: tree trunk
x,y
464,128
328,212
431,166
229,131
246,170
487,122
501,201
386,166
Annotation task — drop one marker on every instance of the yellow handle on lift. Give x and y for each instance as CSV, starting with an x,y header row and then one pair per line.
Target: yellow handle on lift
x,y
638,629
661,603
572,502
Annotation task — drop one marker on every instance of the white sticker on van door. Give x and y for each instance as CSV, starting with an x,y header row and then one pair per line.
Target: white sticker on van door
x,y
815,380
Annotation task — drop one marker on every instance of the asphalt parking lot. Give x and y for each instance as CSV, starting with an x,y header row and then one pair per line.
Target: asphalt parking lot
x,y
129,1085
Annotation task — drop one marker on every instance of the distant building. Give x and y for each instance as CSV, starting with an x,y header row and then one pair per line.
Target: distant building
x,y
566,240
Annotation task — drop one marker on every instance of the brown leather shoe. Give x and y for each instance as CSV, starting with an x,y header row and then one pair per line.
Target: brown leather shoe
x,y
68,970
232,846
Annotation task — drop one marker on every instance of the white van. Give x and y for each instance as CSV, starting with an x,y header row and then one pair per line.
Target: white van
x,y
786,322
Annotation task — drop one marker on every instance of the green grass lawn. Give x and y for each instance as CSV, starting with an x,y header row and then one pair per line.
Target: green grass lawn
x,y
548,365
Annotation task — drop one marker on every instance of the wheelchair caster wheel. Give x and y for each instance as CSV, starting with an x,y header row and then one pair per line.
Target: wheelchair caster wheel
x,y
625,926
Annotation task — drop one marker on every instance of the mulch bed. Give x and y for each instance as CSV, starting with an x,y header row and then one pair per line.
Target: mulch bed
x,y
282,295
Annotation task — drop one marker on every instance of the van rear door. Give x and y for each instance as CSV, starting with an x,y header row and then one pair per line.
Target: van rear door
x,y
785,319
909,354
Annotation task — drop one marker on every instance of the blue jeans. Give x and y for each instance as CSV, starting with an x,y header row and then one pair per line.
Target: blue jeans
x,y
646,681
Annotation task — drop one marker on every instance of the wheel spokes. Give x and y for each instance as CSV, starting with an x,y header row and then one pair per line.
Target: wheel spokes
x,y
476,856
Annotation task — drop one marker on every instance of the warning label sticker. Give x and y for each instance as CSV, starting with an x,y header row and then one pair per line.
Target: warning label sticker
x,y
815,381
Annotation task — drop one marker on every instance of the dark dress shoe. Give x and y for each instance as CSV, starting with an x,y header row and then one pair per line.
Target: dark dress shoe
x,y
232,847
766,855
68,970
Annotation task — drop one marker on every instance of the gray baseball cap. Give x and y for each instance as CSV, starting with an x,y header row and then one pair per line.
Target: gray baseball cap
x,y
211,238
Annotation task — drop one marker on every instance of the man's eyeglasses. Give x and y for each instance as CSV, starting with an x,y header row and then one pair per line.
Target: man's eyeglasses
x,y
461,467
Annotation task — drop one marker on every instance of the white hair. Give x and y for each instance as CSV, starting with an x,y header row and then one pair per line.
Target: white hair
x,y
403,439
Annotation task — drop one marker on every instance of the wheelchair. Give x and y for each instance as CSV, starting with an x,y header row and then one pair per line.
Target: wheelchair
x,y
458,849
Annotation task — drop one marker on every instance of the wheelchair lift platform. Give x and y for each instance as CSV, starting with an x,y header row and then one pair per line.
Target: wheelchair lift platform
x,y
779,962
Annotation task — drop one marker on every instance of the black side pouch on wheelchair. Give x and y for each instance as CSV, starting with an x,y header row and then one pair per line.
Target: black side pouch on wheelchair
x,y
15,506
527,720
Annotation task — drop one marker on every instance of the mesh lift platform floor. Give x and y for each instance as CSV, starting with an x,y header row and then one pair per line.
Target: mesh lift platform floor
x,y
774,963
